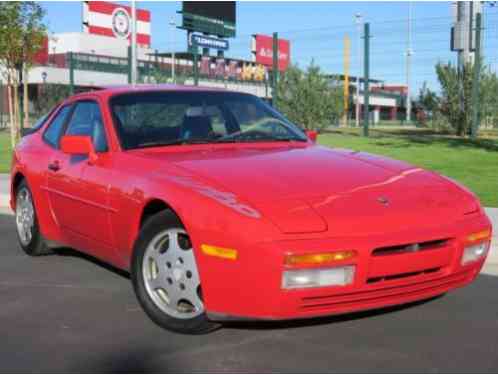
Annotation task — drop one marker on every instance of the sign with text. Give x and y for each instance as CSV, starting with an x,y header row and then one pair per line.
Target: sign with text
x,y
262,51
210,17
208,42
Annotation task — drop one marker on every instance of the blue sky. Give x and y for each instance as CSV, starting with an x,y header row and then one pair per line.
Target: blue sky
x,y
316,30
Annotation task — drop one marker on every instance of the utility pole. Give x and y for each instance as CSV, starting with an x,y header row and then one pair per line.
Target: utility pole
x,y
475,84
464,42
358,58
366,80
133,43
195,61
347,43
71,72
408,66
172,40
274,92
462,56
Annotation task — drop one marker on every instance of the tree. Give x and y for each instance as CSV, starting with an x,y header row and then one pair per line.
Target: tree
x,y
450,96
34,33
427,104
51,95
489,102
21,36
427,99
461,120
158,75
309,98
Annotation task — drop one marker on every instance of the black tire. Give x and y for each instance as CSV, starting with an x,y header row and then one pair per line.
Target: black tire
x,y
37,245
152,227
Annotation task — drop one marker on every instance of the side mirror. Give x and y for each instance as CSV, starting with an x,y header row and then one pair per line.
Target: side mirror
x,y
79,145
312,135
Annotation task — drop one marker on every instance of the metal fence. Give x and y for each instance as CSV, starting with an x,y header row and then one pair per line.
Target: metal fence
x,y
399,55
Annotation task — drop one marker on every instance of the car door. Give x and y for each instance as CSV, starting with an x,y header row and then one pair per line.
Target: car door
x,y
61,175
81,189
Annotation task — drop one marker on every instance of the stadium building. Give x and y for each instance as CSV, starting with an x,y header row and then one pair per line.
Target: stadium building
x,y
99,55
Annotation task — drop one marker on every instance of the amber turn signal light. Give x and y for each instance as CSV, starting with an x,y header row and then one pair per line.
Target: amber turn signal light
x,y
220,252
482,235
319,258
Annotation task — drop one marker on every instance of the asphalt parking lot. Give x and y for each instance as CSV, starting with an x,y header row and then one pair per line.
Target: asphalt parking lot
x,y
69,313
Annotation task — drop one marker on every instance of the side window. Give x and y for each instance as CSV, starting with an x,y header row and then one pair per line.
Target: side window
x,y
218,123
54,130
248,115
87,120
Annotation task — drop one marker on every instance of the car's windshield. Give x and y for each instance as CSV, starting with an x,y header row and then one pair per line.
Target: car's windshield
x,y
168,118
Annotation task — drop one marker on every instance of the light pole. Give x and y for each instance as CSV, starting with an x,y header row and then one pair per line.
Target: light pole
x,y
133,43
358,22
409,53
172,41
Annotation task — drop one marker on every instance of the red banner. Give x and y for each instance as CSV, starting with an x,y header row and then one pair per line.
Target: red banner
x,y
263,51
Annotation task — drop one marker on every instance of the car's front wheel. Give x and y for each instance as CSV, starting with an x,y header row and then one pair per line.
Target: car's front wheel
x,y
28,230
165,276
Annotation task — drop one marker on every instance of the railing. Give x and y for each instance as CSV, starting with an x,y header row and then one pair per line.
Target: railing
x,y
157,70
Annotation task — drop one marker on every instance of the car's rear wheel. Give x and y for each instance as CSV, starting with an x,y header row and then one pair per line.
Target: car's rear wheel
x,y
165,276
28,231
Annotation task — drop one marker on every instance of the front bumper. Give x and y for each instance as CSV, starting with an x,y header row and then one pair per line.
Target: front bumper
x,y
309,306
250,288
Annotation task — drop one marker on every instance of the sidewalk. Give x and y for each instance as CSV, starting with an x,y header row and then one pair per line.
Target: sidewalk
x,y
491,265
4,191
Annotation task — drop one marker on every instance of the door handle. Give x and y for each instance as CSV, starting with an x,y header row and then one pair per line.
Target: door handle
x,y
54,166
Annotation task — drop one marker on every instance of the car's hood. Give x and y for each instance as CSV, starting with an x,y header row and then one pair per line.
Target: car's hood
x,y
263,175
311,188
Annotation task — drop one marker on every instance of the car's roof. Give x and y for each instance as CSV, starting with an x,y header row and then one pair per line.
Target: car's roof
x,y
140,88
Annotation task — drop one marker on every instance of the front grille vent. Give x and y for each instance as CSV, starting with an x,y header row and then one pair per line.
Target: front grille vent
x,y
377,279
410,248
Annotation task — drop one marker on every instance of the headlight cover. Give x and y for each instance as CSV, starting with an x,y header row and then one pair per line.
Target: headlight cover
x,y
318,277
474,252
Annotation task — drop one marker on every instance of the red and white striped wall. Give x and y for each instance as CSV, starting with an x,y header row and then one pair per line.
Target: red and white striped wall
x,y
114,20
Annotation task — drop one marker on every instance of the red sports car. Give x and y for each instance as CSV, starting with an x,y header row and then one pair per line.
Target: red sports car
x,y
222,209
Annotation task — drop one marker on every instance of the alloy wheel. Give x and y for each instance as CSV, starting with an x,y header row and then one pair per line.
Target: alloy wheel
x,y
25,216
170,274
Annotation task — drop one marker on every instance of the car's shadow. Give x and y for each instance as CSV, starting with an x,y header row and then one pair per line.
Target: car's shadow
x,y
323,320
258,324
68,252
265,324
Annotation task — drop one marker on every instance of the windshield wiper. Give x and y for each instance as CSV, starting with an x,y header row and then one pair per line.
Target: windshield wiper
x,y
177,142
249,140
174,143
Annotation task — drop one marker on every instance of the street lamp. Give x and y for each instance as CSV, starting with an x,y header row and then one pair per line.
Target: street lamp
x,y
133,43
409,53
358,21
172,41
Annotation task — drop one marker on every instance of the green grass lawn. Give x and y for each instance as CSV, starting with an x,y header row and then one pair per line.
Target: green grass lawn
x,y
473,163
5,152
